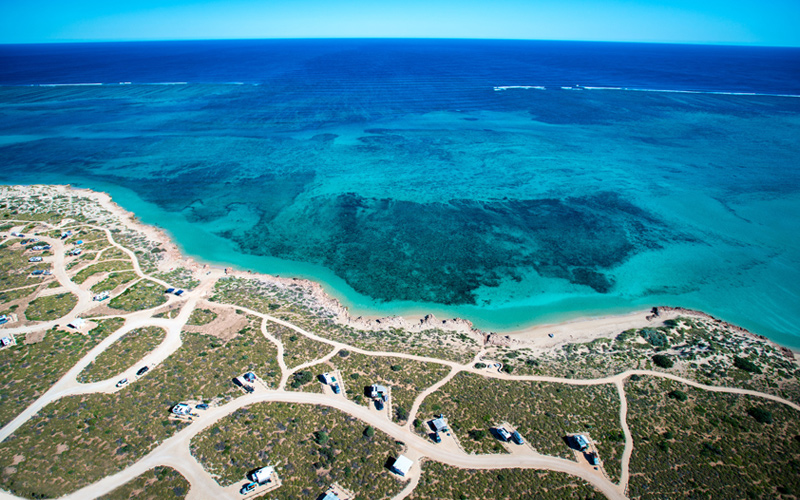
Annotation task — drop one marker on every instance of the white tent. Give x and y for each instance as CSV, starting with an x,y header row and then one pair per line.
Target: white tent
x,y
77,324
402,465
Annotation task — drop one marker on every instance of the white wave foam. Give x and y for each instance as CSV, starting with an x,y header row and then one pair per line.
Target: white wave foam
x,y
507,87
68,84
632,89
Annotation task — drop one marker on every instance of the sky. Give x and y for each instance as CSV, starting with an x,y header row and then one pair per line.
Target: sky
x,y
740,22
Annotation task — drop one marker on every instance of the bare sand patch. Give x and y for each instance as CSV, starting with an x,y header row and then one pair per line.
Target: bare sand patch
x,y
225,326
35,337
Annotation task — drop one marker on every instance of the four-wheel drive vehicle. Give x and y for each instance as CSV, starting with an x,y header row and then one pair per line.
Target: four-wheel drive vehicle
x,y
247,488
202,406
142,370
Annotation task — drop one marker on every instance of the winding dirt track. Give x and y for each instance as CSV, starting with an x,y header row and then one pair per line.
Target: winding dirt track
x,y
175,451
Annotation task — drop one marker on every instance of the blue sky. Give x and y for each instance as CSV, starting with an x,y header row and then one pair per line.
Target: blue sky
x,y
771,22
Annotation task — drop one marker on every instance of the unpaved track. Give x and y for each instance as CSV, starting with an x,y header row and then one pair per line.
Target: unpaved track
x,y
177,447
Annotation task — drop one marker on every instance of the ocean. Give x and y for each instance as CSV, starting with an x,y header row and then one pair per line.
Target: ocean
x,y
507,182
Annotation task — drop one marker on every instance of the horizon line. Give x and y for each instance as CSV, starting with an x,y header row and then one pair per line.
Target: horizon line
x,y
645,42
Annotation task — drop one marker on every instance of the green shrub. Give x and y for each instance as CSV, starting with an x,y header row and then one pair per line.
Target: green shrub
x,y
746,365
478,434
302,378
401,413
321,437
760,415
654,337
369,432
662,360
678,395
480,365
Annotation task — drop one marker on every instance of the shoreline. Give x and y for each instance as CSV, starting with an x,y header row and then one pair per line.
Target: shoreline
x,y
535,335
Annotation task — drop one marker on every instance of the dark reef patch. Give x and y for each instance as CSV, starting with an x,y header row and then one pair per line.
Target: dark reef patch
x,y
443,252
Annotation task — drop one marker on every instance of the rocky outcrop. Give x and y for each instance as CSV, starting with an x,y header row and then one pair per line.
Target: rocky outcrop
x,y
496,339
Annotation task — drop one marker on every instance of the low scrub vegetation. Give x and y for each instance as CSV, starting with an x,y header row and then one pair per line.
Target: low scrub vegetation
x,y
28,370
406,378
544,413
50,307
145,294
297,348
120,355
113,265
310,446
440,481
201,317
155,484
709,445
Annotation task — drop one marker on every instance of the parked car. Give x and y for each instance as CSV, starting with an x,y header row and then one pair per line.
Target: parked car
x,y
142,370
436,437
122,382
516,437
503,434
336,389
249,388
202,406
247,488
378,404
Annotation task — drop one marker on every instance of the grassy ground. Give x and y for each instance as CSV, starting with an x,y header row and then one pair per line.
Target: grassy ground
x,y
113,265
297,348
293,305
708,446
179,277
143,295
283,435
440,481
50,307
114,253
120,355
407,380
27,371
542,412
201,317
113,280
88,438
18,293
147,252
700,349
221,362
14,266
155,484
106,433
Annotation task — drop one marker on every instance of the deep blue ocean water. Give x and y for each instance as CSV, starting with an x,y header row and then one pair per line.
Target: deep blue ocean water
x,y
401,175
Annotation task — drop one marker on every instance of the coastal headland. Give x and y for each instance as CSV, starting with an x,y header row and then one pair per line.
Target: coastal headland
x,y
109,332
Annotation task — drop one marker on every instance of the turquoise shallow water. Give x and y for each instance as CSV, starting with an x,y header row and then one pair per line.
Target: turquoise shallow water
x,y
431,193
